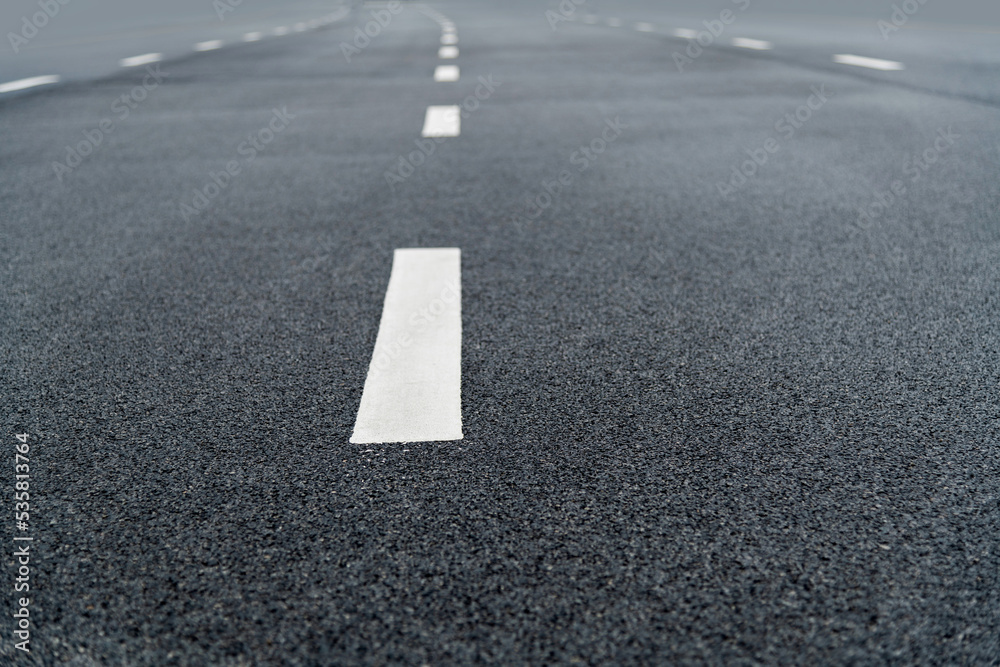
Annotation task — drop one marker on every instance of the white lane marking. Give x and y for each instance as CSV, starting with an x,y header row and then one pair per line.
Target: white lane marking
x,y
252,36
645,27
210,45
446,73
448,26
685,33
871,63
442,121
590,18
144,59
448,52
21,84
449,38
300,27
283,30
615,23
413,391
756,44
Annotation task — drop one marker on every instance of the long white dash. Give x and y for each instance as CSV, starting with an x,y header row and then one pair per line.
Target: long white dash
x,y
282,30
442,121
144,59
32,82
252,36
871,63
685,33
210,45
448,52
756,44
445,73
413,390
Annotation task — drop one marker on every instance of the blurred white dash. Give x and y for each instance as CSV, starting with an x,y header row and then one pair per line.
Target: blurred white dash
x,y
446,73
210,45
443,121
645,27
685,33
34,81
449,38
413,390
144,59
448,52
615,23
252,36
757,44
871,63
283,30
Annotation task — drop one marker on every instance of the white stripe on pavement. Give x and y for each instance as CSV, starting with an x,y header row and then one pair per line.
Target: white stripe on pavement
x,y
144,59
282,30
443,121
615,23
413,391
685,33
252,36
210,45
449,38
21,84
645,27
446,73
448,52
871,63
757,44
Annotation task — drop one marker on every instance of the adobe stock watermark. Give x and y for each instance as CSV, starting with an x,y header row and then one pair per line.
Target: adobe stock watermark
x,y
914,168
566,10
419,321
381,18
254,144
122,107
900,16
37,21
223,7
713,30
406,165
582,158
786,127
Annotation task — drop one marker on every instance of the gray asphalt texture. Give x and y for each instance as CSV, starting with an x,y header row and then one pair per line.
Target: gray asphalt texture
x,y
699,429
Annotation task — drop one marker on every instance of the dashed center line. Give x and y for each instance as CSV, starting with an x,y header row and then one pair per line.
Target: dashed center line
x,y
871,63
446,73
144,59
645,27
685,33
442,121
413,390
757,44
252,36
449,38
210,45
448,52
22,84
282,30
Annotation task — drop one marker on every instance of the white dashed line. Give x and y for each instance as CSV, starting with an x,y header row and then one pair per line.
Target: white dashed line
x,y
144,59
210,45
442,121
448,52
32,82
413,390
756,44
283,30
871,63
615,23
449,38
300,27
685,33
645,27
252,36
446,73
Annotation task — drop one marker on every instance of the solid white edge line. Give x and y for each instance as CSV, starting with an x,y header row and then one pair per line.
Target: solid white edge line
x,y
446,73
31,82
144,59
442,121
210,45
756,44
448,52
871,63
413,388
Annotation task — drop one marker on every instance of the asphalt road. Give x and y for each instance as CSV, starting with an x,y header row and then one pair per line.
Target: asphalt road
x,y
730,317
